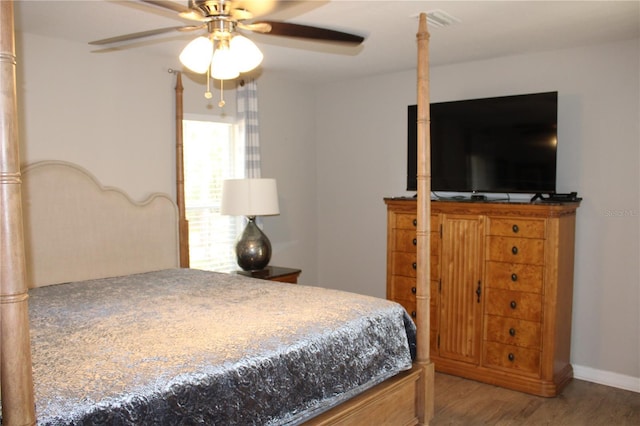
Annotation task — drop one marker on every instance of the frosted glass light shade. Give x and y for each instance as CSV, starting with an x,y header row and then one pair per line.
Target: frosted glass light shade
x,y
249,197
223,64
197,55
246,53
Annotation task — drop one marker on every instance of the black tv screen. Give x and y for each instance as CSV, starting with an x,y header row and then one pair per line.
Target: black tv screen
x,y
493,145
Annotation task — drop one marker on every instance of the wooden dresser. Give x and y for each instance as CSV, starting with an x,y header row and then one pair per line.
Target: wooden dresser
x,y
501,288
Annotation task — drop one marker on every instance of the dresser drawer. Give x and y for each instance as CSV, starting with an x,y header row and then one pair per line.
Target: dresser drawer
x,y
406,240
511,331
404,263
409,306
523,228
509,357
410,221
515,276
405,291
515,250
513,304
406,221
403,288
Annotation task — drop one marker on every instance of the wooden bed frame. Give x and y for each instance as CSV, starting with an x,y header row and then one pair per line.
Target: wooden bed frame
x,y
404,399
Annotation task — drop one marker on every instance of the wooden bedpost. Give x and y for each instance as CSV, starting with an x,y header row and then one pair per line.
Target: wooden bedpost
x,y
16,380
183,224
423,229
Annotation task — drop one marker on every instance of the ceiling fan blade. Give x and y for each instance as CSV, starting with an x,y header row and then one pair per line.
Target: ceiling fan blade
x,y
142,34
258,27
304,31
255,7
183,11
168,5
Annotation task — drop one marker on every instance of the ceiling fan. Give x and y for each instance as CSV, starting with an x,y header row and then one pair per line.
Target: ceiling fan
x,y
224,52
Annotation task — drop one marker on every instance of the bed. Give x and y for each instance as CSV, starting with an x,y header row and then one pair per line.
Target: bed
x,y
102,324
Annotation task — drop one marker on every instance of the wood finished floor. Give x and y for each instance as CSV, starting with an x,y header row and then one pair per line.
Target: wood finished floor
x,y
466,402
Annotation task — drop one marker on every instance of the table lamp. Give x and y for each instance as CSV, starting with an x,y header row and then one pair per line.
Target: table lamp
x,y
251,198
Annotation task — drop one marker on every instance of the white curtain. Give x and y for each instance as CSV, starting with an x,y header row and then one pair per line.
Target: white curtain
x,y
247,105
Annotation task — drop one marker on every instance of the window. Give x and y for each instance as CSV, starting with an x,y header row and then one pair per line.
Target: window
x,y
212,153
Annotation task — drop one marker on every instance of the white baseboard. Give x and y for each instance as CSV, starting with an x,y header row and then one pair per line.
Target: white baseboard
x,y
607,378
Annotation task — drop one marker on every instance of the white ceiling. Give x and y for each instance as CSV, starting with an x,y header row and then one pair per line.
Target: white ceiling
x,y
487,29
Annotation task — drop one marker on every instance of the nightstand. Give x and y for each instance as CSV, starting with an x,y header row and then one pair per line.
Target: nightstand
x,y
274,273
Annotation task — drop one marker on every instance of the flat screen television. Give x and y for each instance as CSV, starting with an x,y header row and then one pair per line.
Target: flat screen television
x,y
493,145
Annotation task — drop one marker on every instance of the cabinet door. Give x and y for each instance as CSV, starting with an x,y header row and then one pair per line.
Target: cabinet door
x,y
461,291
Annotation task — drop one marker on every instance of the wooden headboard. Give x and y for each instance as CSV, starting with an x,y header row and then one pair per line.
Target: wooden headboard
x,y
77,229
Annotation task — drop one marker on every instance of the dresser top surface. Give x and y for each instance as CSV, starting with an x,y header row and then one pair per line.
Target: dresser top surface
x,y
498,207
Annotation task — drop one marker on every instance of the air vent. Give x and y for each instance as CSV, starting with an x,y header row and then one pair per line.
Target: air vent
x,y
439,18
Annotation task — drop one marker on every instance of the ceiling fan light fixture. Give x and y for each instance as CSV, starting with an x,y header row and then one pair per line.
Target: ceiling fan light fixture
x,y
197,54
223,64
245,52
224,54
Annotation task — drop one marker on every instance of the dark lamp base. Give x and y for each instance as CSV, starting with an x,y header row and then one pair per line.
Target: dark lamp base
x,y
253,249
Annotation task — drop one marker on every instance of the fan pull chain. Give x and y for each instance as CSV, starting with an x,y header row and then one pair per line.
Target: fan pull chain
x,y
221,103
208,94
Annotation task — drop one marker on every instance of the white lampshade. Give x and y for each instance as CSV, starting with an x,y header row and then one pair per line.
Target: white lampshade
x,y
246,53
249,197
223,64
197,55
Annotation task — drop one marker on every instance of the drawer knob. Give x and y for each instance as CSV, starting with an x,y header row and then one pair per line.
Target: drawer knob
x,y
413,314
511,357
514,250
515,229
413,290
513,304
415,241
514,277
414,265
415,222
512,332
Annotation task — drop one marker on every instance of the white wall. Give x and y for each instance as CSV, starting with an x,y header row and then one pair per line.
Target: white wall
x,y
112,113
287,147
361,149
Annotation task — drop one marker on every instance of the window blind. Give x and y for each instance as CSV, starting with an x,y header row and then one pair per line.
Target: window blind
x,y
211,155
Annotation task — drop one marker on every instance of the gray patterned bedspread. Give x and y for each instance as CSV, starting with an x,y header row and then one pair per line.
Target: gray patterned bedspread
x,y
192,347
